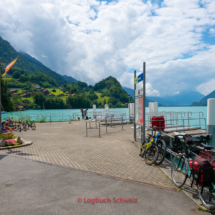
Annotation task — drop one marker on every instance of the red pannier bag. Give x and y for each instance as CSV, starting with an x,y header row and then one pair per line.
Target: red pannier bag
x,y
202,171
159,122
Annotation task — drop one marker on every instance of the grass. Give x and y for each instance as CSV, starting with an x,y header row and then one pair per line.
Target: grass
x,y
205,210
135,144
101,99
30,99
8,79
20,91
64,98
58,91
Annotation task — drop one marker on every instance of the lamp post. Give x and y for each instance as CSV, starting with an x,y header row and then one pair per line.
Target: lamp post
x,y
1,64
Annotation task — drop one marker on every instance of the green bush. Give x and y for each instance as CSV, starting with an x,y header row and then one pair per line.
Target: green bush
x,y
43,119
8,136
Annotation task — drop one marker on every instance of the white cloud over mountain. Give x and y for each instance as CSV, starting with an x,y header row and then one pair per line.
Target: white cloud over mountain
x,y
91,40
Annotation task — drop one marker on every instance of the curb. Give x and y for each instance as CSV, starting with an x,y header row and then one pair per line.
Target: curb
x,y
26,143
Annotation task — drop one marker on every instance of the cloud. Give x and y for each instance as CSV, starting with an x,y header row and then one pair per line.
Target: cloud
x,y
91,40
207,87
212,31
175,93
150,91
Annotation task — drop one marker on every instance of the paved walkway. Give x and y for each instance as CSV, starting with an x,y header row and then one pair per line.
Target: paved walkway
x,y
113,154
38,189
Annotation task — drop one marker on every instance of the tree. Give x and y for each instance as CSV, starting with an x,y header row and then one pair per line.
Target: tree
x,y
6,97
92,95
112,101
79,101
16,75
39,98
23,78
82,84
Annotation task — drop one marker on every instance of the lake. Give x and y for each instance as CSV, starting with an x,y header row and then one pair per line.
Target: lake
x,y
67,114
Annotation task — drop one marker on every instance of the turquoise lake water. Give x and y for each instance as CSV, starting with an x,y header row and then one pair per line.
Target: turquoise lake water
x,y
67,114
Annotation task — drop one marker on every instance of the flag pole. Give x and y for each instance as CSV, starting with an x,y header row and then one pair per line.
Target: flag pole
x,y
0,93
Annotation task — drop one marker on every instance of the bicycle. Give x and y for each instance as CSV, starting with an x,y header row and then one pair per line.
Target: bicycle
x,y
179,172
31,125
20,126
161,147
149,150
160,143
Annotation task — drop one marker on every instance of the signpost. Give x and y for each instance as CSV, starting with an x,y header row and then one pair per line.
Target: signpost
x,y
139,78
139,109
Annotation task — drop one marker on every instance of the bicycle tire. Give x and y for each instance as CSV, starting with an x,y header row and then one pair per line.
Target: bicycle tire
x,y
151,154
206,197
24,127
15,127
162,152
33,126
179,170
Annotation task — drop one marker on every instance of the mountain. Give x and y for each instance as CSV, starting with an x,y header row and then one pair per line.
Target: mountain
x,y
163,101
203,102
69,79
185,98
25,62
131,92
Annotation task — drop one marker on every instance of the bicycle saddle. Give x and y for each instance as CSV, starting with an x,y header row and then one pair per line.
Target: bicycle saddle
x,y
207,146
154,128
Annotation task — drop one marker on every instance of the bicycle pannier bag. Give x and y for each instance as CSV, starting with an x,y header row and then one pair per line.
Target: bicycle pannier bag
x,y
202,171
159,122
176,146
188,139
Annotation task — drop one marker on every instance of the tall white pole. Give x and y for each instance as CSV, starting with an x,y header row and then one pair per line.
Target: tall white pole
x,y
211,119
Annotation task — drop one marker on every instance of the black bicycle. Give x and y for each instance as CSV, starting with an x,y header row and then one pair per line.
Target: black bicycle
x,y
184,161
30,124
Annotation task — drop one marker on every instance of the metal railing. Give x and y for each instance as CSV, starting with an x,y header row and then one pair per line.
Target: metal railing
x,y
178,124
93,127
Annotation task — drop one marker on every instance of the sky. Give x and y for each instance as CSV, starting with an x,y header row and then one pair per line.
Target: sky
x,y
91,40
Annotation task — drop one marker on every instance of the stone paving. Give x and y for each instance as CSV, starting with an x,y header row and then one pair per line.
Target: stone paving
x,y
114,154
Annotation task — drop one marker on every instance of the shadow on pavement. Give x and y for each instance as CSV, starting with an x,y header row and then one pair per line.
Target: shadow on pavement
x,y
2,156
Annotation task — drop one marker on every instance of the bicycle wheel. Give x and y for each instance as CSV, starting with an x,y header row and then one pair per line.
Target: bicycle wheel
x,y
207,197
179,170
15,127
24,127
151,154
33,126
162,152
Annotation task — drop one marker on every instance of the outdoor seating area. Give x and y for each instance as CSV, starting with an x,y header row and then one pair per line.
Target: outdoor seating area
x,y
10,133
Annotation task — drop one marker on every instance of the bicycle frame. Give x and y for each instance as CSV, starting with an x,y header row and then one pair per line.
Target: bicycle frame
x,y
147,145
